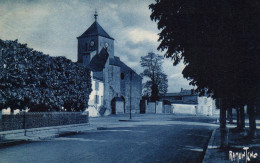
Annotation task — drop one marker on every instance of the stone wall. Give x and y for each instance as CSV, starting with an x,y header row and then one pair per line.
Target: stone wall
x,y
158,108
41,119
206,106
84,47
150,107
136,92
184,109
167,109
111,75
101,44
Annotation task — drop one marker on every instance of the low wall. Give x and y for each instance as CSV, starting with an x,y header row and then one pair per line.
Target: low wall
x,y
150,107
158,108
43,132
184,109
167,109
41,119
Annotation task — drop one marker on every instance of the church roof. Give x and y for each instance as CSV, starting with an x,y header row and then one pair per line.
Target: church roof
x,y
98,62
98,75
95,30
124,68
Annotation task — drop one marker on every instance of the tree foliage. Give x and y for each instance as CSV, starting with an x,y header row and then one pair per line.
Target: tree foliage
x,y
157,83
218,41
40,82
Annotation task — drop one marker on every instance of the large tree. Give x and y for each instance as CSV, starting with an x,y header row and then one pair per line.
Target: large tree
x,y
157,83
219,43
30,79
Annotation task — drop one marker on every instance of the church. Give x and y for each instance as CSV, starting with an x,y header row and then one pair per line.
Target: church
x,y
116,88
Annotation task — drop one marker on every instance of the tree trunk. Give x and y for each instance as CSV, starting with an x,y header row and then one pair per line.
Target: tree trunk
x,y
0,121
230,116
238,118
12,111
242,118
252,123
223,128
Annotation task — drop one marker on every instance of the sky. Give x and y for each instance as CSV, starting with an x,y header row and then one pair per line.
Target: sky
x,y
52,27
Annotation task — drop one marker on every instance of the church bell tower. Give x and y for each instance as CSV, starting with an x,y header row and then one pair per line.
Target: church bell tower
x,y
92,41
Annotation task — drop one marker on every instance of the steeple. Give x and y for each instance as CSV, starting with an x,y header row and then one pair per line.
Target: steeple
x,y
95,30
95,15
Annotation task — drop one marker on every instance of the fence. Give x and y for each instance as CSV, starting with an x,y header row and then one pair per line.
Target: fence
x,y
41,119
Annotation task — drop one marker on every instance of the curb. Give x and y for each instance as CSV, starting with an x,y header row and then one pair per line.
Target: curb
x,y
210,146
58,131
11,143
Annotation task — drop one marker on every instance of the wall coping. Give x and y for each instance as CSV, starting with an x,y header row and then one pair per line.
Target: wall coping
x,y
40,129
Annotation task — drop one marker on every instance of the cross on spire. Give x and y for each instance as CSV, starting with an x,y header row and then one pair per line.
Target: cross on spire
x,y
95,15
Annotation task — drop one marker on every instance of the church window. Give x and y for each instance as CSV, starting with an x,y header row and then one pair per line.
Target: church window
x,y
122,76
101,100
96,86
96,99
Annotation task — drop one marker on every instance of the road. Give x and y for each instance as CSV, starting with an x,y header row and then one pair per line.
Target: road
x,y
146,139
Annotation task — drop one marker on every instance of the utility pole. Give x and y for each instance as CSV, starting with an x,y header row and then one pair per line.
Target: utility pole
x,y
130,94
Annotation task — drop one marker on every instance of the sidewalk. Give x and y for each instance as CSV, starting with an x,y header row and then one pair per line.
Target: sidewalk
x,y
237,142
14,137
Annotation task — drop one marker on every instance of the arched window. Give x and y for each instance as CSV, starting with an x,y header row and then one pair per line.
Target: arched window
x,y
122,76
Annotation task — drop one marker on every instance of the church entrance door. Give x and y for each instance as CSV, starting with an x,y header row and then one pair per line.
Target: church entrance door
x,y
113,105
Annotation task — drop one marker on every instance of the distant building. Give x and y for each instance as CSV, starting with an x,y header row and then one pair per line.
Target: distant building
x,y
119,82
189,102
96,96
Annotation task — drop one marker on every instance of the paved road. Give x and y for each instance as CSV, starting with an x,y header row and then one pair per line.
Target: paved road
x,y
164,139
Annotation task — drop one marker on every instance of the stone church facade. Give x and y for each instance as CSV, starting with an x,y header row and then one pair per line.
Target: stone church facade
x,y
121,83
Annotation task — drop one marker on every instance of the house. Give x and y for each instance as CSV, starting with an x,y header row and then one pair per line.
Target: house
x,y
96,96
189,102
120,87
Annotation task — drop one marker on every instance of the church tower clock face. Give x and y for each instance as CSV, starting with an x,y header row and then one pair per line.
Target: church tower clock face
x,y
92,43
106,45
94,39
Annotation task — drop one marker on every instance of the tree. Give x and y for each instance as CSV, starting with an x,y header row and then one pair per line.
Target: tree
x,y
157,82
219,43
30,79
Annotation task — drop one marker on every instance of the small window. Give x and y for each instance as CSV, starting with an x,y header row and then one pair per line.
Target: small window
x,y
96,86
205,100
96,99
122,76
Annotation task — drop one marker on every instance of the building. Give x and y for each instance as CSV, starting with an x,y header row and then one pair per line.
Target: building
x,y
120,82
189,102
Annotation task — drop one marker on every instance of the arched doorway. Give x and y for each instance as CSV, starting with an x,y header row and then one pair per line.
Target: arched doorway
x,y
124,102
113,105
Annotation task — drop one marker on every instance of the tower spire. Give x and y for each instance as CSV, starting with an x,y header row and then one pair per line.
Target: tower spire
x,y
95,15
